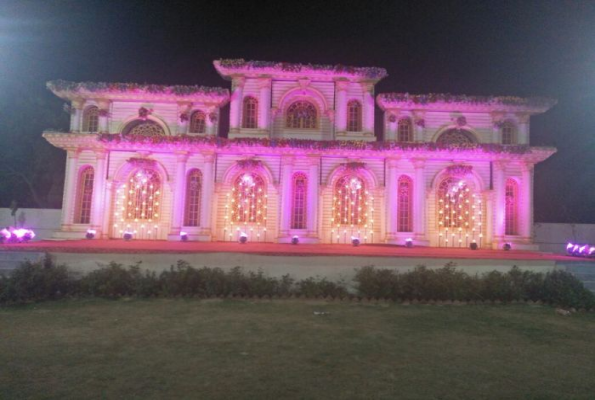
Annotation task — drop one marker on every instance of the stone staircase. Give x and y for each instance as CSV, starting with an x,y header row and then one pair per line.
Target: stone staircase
x,y
9,260
583,270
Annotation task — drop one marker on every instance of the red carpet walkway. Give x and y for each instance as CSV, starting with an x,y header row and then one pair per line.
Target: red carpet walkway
x,y
275,249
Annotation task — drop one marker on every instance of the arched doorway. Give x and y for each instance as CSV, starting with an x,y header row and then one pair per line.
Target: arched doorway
x,y
459,212
138,206
352,209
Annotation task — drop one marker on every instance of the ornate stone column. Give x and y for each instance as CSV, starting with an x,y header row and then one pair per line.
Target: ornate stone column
x,y
496,119
391,118
69,198
523,136
419,202
235,107
105,223
104,110
179,196
499,201
286,194
98,191
313,196
391,198
526,204
419,122
341,111
368,107
76,118
264,105
207,195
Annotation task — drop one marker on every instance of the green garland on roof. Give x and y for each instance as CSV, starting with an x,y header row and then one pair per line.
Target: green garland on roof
x,y
491,148
464,99
367,72
179,90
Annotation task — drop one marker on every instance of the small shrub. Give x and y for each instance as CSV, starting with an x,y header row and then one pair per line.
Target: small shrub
x,y
35,281
321,287
564,289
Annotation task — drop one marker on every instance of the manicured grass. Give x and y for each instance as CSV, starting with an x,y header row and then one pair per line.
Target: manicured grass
x,y
226,349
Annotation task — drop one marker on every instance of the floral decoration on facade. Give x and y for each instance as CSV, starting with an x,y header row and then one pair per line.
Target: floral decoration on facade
x,y
365,72
116,87
464,99
141,162
184,116
461,121
68,109
420,122
392,118
213,117
499,124
305,144
459,170
354,165
102,112
249,164
144,113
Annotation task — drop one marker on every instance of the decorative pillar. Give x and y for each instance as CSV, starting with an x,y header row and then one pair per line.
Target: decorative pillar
x,y
235,108
211,121
264,105
419,202
419,123
68,201
368,107
104,110
313,196
76,117
499,201
341,111
391,118
98,191
105,228
497,119
523,136
286,194
207,195
184,114
391,198
179,195
526,204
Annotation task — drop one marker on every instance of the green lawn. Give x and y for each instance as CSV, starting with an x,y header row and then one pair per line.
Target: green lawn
x,y
193,349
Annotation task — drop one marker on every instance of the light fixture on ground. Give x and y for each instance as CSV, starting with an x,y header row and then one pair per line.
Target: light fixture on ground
x,y
128,235
243,238
16,235
507,247
90,234
183,236
295,239
409,242
355,241
5,235
473,245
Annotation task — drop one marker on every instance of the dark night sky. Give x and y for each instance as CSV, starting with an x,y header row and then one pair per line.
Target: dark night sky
x,y
544,48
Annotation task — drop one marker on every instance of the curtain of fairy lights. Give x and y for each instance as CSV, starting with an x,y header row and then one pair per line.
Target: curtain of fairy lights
x,y
352,211
246,208
137,205
459,214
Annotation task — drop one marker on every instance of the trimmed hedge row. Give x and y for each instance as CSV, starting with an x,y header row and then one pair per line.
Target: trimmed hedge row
x,y
37,281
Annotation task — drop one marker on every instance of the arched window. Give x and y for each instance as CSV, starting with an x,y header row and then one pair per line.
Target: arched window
x,y
141,127
298,205
405,204
250,113
193,196
405,130
249,199
197,122
84,196
91,119
350,201
511,218
143,196
508,133
354,116
302,115
456,137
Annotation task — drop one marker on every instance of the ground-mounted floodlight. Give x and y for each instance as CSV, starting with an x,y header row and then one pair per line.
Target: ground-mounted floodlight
x,y
243,238
355,241
473,245
128,235
90,234
409,242
183,236
507,247
295,240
